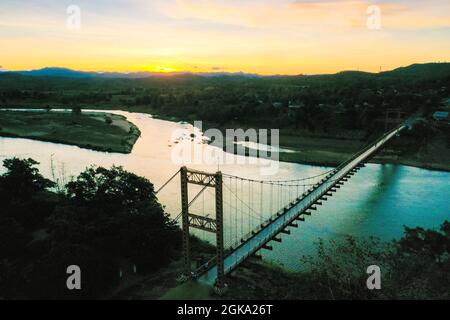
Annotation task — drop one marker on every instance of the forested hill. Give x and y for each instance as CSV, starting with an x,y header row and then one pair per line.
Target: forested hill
x,y
348,100
74,78
348,105
429,70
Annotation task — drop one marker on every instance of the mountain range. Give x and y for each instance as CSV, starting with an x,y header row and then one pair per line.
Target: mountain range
x,y
422,70
70,73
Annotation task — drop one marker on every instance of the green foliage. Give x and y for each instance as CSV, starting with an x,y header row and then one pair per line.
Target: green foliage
x,y
21,187
82,130
415,267
328,103
106,219
430,243
22,180
113,189
338,270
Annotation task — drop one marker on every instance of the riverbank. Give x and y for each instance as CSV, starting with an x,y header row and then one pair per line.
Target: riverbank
x,y
324,149
96,131
321,150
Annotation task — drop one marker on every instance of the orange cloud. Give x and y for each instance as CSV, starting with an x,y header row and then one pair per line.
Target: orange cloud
x,y
258,36
322,14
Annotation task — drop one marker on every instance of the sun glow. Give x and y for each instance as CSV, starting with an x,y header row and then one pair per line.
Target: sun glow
x,y
163,69
265,37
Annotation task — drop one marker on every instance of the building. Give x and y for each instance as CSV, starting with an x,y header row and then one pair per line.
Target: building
x,y
277,104
441,115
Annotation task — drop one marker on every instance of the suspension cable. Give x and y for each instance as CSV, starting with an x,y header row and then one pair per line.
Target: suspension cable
x,y
192,201
167,182
280,181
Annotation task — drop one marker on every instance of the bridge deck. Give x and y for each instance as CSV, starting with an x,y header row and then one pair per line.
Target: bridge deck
x,y
279,223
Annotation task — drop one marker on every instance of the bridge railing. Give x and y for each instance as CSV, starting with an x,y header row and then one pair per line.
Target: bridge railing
x,y
324,187
280,220
367,147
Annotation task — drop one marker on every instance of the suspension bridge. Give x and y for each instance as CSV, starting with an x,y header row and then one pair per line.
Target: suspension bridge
x,y
249,214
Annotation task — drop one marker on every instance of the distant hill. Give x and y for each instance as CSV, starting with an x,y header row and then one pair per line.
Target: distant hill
x,y
55,72
421,70
69,73
53,77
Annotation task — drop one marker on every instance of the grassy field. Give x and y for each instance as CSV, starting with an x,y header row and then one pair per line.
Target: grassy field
x,y
318,150
97,131
435,155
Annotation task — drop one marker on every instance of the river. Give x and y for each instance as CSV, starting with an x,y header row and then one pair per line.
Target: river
x,y
378,201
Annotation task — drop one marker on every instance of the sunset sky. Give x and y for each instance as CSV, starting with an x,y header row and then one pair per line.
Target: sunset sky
x,y
255,36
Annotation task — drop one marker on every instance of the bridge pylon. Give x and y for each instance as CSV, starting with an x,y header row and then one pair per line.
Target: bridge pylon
x,y
393,117
212,225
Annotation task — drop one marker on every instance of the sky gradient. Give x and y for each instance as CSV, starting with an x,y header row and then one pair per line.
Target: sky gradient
x,y
254,36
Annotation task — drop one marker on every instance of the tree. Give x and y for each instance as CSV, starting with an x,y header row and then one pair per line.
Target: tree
x,y
114,189
105,219
21,180
431,243
416,266
126,214
339,269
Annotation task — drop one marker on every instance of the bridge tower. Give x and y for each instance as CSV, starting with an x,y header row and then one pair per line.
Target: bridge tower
x,y
212,225
393,117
